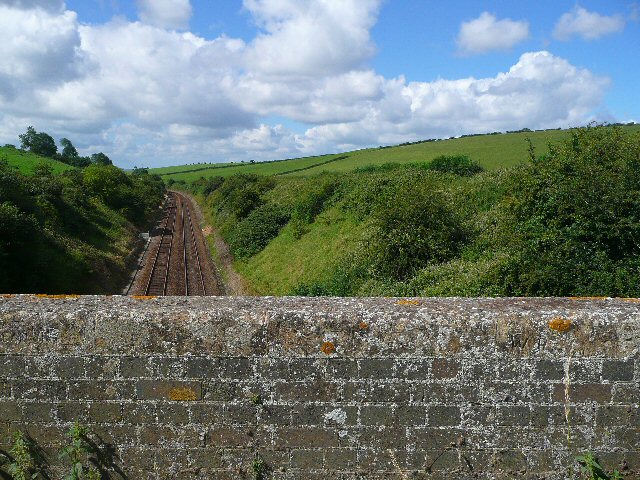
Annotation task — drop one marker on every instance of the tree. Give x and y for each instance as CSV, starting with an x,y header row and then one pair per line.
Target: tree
x,y
39,143
100,159
28,139
69,152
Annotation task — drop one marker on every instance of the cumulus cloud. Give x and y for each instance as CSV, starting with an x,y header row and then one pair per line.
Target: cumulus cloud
x,y
588,25
487,33
540,91
147,95
310,37
50,5
38,48
165,13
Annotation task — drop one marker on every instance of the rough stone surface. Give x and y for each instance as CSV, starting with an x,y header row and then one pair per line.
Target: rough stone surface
x,y
414,388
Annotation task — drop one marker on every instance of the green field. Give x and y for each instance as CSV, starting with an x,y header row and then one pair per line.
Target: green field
x,y
26,162
490,151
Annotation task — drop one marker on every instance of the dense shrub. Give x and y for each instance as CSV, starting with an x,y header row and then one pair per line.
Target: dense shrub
x,y
411,230
255,231
457,164
312,204
57,234
577,218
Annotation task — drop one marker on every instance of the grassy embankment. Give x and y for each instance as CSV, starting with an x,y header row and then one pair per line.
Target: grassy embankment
x,y
69,230
381,222
25,162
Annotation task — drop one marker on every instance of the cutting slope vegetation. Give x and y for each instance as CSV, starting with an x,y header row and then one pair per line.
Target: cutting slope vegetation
x,y
71,232
564,221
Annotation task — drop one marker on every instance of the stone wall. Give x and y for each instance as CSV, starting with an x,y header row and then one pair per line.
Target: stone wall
x,y
327,388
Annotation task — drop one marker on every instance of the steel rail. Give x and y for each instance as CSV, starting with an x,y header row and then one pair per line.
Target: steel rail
x,y
157,255
195,248
184,252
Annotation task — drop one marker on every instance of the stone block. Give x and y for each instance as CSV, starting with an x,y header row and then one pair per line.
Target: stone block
x,y
617,370
170,390
579,393
444,368
444,416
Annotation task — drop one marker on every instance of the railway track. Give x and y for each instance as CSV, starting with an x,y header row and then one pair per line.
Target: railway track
x,y
175,264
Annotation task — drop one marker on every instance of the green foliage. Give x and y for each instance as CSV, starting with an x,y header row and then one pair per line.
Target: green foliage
x,y
135,195
100,159
576,215
312,204
58,236
69,152
78,453
457,164
23,455
260,469
39,143
412,229
592,470
255,231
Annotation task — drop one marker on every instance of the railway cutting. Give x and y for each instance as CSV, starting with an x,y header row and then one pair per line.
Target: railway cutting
x,y
176,261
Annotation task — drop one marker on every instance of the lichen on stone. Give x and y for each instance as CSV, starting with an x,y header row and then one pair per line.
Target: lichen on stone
x,y
560,324
408,302
328,348
182,394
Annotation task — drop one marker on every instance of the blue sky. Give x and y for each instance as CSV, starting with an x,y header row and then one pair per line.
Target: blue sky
x,y
159,82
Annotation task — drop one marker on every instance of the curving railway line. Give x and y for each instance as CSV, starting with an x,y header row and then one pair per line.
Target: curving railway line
x,y
175,263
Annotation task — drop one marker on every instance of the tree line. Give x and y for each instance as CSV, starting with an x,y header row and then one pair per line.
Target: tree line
x,y
41,143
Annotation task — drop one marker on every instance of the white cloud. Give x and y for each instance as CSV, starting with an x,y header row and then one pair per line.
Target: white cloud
x,y
487,33
49,5
165,13
540,91
38,48
146,95
588,25
311,37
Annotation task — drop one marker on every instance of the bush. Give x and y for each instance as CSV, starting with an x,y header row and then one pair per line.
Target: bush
x,y
577,218
254,232
411,230
311,205
457,164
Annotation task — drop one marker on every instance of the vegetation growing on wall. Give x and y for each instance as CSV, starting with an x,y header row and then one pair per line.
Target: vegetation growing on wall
x,y
565,223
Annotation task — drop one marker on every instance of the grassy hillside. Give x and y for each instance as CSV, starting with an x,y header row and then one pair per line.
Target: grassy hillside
x,y
25,162
564,224
490,151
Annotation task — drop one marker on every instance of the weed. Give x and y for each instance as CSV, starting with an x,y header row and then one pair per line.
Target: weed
x,y
78,452
592,469
260,469
23,463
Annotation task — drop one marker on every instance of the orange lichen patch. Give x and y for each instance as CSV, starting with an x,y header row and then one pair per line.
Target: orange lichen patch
x,y
560,324
408,302
144,297
63,296
183,394
328,348
7,295
363,325
588,298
